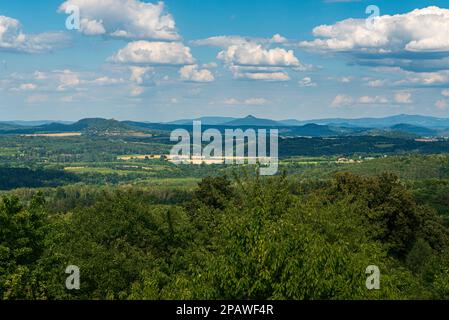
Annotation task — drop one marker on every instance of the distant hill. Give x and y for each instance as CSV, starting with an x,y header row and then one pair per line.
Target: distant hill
x,y
211,121
252,121
383,122
313,130
291,123
404,126
421,131
94,125
35,123
8,126
386,122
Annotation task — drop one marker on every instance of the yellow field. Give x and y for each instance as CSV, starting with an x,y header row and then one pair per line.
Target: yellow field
x,y
56,135
140,157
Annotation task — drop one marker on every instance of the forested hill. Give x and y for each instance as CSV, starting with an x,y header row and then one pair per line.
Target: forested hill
x,y
319,128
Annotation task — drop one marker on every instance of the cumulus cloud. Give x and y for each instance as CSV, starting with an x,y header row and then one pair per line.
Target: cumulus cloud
x,y
64,80
210,65
222,41
256,55
403,97
345,79
67,79
277,38
342,100
255,58
414,41
262,76
129,19
247,102
233,40
377,83
25,87
154,53
106,81
193,73
13,39
138,74
425,78
405,78
372,100
421,30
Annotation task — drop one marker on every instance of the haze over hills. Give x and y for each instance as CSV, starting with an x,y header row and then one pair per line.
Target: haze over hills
x,y
34,123
401,125
384,122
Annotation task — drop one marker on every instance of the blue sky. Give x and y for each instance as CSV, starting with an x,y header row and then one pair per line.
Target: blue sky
x,y
161,61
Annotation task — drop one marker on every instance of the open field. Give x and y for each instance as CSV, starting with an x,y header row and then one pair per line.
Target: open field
x,y
55,135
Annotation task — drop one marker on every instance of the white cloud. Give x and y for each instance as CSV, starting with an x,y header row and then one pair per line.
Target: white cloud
x,y
222,41
211,65
345,79
424,78
92,27
263,76
138,74
154,53
247,102
228,41
254,58
28,87
277,38
130,19
410,78
13,39
193,73
421,30
307,82
105,81
372,100
256,101
403,97
25,87
67,79
342,100
376,83
256,55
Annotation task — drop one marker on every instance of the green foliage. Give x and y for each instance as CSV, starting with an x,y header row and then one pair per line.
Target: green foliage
x,y
249,238
22,236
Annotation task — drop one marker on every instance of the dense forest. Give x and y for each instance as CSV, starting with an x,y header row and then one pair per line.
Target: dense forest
x,y
242,238
141,227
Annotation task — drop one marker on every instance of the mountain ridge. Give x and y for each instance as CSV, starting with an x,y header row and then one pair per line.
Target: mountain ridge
x,y
396,125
